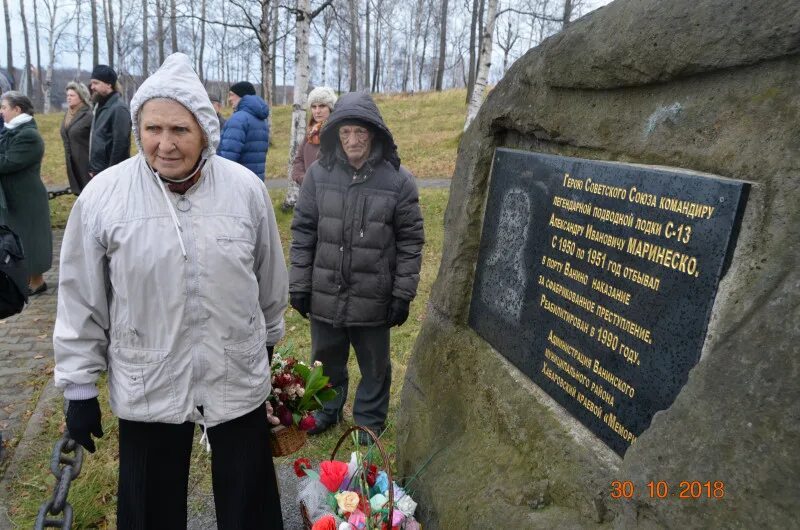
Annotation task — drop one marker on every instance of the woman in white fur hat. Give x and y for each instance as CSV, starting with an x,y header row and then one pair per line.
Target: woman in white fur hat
x,y
320,102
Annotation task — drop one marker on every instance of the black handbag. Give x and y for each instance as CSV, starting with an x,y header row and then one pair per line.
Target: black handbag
x,y
13,274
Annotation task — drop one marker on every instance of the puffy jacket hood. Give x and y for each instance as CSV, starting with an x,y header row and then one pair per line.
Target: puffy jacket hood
x,y
176,79
356,106
254,105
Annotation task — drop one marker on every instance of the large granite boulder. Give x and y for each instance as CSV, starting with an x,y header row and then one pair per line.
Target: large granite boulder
x,y
708,85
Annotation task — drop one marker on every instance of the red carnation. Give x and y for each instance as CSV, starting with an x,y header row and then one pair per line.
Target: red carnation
x,y
326,522
332,473
300,466
307,423
372,473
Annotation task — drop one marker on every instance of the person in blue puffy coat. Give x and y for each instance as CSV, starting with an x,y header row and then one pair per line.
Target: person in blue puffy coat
x,y
245,138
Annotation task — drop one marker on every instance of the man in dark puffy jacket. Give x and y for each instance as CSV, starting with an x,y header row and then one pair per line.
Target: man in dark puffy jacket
x,y
110,139
356,252
245,137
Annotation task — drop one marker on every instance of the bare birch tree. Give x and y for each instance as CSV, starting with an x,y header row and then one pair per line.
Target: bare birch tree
x,y
173,24
55,29
442,47
95,36
28,74
145,41
9,51
108,19
484,64
303,18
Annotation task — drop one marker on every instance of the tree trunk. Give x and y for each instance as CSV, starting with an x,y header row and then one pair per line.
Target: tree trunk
x,y
567,13
354,27
266,59
473,30
160,31
78,44
301,38
109,20
274,22
484,63
9,51
95,37
145,42
367,59
424,51
442,48
53,35
173,24
202,41
28,90
38,90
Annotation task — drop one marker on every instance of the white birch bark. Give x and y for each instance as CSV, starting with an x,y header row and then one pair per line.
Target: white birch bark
x,y
484,64
302,34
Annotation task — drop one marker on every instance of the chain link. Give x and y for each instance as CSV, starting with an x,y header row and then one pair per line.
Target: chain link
x,y
57,512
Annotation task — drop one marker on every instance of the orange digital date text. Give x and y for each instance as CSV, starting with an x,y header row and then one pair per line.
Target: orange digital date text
x,y
661,489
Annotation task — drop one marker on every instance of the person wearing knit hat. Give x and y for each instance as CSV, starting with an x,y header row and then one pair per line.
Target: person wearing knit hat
x,y
173,281
110,139
320,102
240,90
245,137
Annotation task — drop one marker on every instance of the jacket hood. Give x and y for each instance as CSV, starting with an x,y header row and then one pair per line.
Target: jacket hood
x,y
177,80
254,105
361,107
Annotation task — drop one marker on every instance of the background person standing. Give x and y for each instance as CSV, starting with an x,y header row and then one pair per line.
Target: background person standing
x,y
356,253
76,127
245,138
27,209
320,102
110,141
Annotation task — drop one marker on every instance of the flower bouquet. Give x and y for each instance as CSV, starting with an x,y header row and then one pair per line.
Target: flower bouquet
x,y
297,390
354,495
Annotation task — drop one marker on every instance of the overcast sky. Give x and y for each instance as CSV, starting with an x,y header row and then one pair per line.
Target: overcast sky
x,y
69,59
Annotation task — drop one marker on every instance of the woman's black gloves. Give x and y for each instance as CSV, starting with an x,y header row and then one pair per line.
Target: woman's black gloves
x,y
398,312
301,302
83,419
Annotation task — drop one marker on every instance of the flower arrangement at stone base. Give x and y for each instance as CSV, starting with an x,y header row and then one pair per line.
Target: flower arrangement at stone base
x,y
353,496
297,390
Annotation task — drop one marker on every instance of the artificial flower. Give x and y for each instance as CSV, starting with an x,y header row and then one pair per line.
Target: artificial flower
x,y
300,466
285,415
372,473
347,501
332,473
406,504
382,482
307,423
377,501
326,522
357,519
344,525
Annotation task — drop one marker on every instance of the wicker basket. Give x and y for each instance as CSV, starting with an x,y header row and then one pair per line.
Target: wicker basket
x,y
286,440
308,523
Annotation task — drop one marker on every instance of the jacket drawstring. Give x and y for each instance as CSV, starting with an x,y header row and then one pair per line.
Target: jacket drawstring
x,y
204,439
171,208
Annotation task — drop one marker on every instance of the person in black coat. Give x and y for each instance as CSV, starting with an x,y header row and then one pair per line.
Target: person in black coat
x,y
357,237
110,141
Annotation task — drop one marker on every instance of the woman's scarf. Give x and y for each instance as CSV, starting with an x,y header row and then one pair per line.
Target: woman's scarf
x,y
312,136
19,120
70,115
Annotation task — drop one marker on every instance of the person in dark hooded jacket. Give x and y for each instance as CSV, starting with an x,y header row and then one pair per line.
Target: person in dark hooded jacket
x,y
356,253
245,137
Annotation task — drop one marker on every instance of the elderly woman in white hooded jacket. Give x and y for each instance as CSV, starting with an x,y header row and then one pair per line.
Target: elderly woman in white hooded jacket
x,y
173,280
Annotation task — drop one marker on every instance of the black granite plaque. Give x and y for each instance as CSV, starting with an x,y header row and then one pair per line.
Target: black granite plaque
x,y
597,279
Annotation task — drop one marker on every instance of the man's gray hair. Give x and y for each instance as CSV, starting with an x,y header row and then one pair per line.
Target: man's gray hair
x,y
18,99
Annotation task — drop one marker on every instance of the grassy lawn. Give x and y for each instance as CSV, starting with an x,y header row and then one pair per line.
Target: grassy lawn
x,y
427,128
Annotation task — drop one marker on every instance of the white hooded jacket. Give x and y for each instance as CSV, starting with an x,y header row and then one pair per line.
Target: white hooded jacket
x,y
176,296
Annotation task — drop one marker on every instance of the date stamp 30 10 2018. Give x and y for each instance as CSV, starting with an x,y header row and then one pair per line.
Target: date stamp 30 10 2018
x,y
661,489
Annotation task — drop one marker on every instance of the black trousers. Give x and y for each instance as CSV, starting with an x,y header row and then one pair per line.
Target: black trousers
x,y
154,474
331,346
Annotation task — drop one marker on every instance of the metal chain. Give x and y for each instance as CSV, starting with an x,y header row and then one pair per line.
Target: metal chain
x,y
57,512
